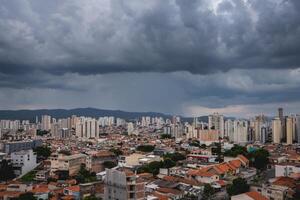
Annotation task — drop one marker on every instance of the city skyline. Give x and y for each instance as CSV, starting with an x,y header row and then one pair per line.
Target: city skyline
x,y
239,58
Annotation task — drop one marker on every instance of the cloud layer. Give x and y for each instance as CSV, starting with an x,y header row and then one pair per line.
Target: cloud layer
x,y
167,56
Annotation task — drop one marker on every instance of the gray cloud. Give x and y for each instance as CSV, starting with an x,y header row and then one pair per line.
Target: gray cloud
x,y
149,55
202,37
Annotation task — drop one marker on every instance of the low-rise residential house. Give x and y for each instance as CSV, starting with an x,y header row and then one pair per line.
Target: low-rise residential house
x,y
286,169
73,191
249,196
271,191
41,192
42,175
202,175
168,193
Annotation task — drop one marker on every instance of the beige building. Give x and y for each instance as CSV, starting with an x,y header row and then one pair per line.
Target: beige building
x,y
70,163
123,184
289,130
277,130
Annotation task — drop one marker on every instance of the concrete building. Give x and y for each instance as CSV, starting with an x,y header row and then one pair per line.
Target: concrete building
x,y
276,130
70,163
297,126
46,122
87,128
286,169
229,129
23,162
16,146
240,134
123,184
290,130
95,160
216,122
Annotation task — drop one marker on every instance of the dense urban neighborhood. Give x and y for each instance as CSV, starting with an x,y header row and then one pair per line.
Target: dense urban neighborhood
x,y
151,158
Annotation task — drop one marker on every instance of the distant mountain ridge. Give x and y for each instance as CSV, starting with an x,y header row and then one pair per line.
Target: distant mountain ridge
x,y
88,112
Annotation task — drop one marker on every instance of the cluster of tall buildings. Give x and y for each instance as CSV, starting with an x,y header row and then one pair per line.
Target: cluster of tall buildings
x,y
280,129
286,128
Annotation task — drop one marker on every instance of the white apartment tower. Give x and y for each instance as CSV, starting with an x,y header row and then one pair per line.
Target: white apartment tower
x,y
216,122
46,122
87,128
240,134
277,130
290,129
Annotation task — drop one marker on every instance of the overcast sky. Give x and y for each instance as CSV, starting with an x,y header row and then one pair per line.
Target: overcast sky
x,y
237,57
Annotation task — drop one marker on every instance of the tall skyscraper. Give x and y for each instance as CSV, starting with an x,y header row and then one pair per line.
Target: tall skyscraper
x,y
229,129
258,124
297,127
277,130
283,123
87,128
46,122
240,134
216,122
289,130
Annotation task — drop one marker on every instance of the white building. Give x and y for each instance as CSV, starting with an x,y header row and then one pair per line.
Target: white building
x,y
46,122
87,128
286,169
229,129
240,134
23,162
216,121
277,130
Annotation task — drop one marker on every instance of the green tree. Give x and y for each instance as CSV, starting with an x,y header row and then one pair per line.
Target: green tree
x,y
117,152
236,150
208,191
92,197
6,171
41,132
175,156
42,152
145,148
165,136
152,167
109,164
260,159
26,196
84,176
168,163
65,152
238,186
195,143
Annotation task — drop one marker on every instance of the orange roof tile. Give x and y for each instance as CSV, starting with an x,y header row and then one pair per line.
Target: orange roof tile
x,y
74,188
256,196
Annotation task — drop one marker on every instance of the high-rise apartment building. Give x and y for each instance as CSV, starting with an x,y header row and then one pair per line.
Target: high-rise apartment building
x,y
46,122
277,130
297,127
289,130
216,122
229,129
87,128
240,134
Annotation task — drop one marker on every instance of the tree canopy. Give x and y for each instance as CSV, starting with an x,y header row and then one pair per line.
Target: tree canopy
x,y
145,148
238,186
42,152
6,171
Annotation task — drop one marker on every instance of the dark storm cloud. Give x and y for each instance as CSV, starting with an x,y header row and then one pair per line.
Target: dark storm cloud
x,y
160,55
89,37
